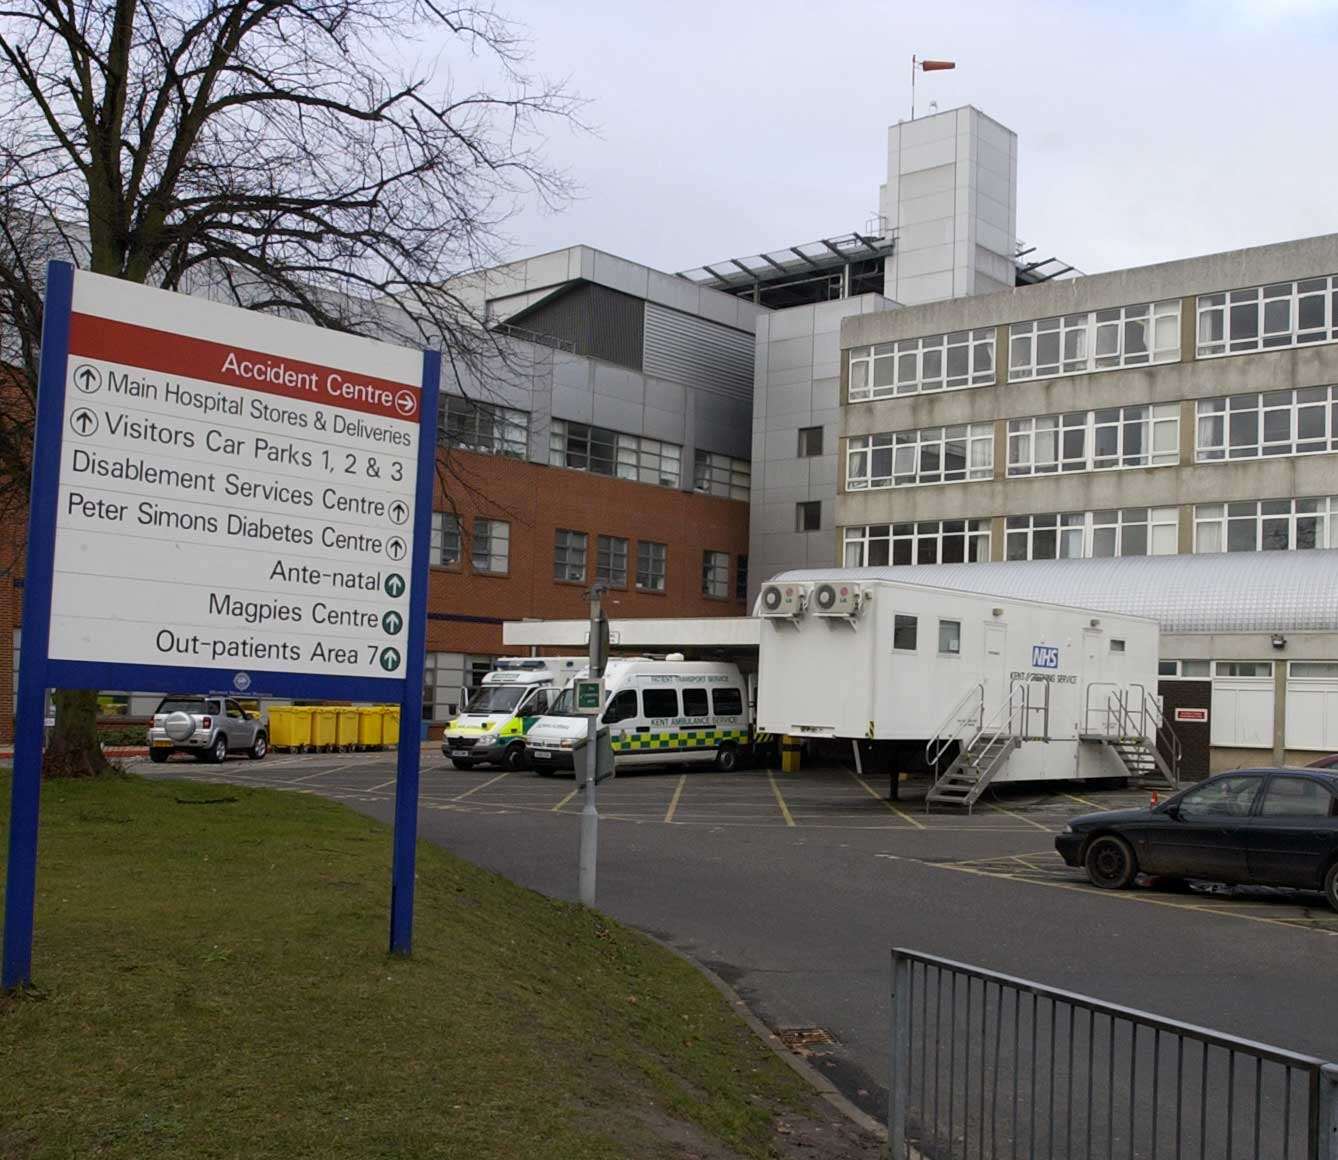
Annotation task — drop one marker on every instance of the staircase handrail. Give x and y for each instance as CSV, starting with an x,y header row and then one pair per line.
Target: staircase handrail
x,y
1089,709
1163,733
1002,720
938,743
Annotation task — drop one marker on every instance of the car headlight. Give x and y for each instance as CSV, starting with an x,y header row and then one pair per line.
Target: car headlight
x,y
565,743
1068,829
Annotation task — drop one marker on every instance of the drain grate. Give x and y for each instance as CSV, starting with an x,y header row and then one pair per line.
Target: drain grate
x,y
803,1040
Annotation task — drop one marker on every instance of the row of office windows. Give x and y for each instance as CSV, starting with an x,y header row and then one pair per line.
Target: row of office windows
x,y
613,558
489,543
473,425
1283,314
1302,421
1246,526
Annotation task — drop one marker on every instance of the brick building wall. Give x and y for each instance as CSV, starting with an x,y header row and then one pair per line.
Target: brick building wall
x,y
537,500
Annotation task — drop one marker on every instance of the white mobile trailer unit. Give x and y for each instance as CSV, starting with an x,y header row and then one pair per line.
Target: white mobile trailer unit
x,y
1013,689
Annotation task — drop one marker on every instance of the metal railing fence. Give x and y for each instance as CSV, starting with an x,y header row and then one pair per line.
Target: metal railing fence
x,y
990,1066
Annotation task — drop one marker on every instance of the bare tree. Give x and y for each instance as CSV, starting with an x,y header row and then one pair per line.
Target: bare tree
x,y
278,154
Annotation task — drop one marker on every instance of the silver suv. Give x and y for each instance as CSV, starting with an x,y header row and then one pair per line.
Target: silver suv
x,y
209,727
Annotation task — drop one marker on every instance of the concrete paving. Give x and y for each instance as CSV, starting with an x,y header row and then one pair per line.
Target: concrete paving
x,y
795,887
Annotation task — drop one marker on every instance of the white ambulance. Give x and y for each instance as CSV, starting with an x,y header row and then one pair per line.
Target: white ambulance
x,y
513,696
659,712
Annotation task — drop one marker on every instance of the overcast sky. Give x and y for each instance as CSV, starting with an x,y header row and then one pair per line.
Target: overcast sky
x,y
1146,131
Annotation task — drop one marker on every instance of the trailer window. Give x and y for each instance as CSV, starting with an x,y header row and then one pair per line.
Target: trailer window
x,y
1117,646
694,703
950,637
660,702
905,632
728,702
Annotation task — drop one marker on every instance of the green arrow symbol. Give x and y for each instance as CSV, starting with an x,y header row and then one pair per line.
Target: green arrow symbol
x,y
390,659
394,584
392,622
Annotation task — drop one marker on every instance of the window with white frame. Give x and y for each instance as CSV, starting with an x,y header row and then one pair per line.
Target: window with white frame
x,y
925,542
569,549
1259,669
611,561
950,638
1264,525
445,540
1268,317
1185,670
652,565
491,549
721,475
942,362
603,452
1121,336
931,455
1115,437
715,574
485,427
1078,535
1297,422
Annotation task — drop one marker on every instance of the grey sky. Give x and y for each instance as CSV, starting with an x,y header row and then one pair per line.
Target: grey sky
x,y
1146,131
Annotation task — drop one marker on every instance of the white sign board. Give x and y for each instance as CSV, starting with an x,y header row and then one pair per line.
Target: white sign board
x,y
236,490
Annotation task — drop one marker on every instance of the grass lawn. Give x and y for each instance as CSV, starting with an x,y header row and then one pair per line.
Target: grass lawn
x,y
212,982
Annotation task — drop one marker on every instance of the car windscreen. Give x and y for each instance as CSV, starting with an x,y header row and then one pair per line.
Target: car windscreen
x,y
496,699
186,705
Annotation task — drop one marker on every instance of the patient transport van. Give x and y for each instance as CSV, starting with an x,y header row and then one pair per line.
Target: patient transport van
x,y
659,712
516,693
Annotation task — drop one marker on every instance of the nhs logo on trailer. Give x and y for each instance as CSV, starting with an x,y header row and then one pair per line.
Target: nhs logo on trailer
x,y
1044,656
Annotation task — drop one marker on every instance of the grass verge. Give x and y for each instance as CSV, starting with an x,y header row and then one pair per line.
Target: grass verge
x,y
212,982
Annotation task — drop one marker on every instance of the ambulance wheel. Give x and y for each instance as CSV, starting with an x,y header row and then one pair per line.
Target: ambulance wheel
x,y
727,758
513,760
462,763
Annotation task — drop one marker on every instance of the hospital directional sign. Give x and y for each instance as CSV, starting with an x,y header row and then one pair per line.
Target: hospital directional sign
x,y
234,489
220,500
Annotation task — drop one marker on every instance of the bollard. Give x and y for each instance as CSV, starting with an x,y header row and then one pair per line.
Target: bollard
x,y
790,754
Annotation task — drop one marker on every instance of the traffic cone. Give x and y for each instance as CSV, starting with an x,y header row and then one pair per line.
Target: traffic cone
x,y
1155,799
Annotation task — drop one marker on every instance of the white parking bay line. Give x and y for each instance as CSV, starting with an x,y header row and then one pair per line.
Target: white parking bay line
x,y
482,785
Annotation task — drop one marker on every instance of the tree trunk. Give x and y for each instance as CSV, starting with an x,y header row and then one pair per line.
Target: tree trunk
x,y
74,750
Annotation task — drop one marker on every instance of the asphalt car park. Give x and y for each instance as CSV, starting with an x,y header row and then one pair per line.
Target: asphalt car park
x,y
795,886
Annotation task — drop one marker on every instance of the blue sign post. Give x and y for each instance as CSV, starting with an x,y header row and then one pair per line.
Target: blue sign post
x,y
222,502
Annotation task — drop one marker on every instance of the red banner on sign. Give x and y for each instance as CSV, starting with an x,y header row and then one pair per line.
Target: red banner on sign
x,y
231,366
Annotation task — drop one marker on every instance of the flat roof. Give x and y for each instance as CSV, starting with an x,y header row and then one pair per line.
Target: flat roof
x,y
660,634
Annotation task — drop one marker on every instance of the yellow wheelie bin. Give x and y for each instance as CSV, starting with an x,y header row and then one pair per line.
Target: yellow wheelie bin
x,y
390,724
369,727
346,727
324,721
289,727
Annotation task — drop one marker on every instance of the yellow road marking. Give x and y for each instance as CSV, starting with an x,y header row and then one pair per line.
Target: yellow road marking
x,y
482,785
1020,817
1115,896
873,793
566,799
780,801
1073,797
673,803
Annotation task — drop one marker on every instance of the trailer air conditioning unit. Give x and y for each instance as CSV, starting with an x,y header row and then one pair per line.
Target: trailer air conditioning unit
x,y
836,599
782,600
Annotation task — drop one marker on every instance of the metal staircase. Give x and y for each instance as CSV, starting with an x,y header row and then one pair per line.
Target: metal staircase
x,y
1132,726
984,751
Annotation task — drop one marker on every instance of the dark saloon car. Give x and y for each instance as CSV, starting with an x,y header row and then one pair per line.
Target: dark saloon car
x,y
1263,827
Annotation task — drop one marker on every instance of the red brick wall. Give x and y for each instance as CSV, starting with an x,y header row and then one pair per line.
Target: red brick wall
x,y
537,500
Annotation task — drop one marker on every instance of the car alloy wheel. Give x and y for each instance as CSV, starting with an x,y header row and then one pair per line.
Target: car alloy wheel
x,y
219,753
1110,863
260,748
1331,886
